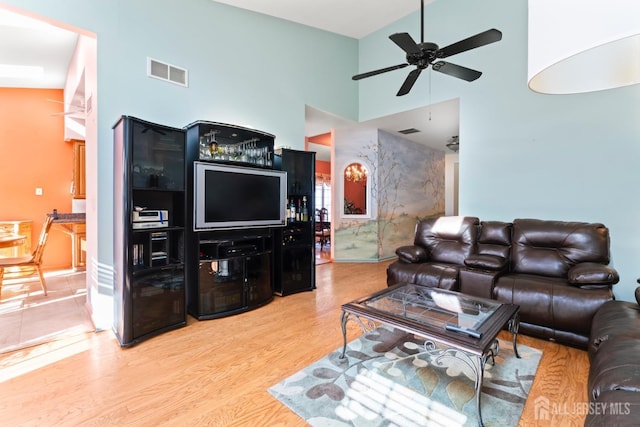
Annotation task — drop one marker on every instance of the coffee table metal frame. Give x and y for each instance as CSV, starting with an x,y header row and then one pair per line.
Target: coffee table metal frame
x,y
473,351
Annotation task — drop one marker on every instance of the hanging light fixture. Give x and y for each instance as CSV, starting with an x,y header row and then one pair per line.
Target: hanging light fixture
x,y
453,144
355,172
578,46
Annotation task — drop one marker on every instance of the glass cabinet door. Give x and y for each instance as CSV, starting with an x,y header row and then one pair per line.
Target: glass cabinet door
x,y
258,269
221,285
158,299
158,157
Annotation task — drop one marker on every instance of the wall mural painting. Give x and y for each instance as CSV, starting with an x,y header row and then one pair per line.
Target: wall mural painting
x,y
411,188
407,184
357,238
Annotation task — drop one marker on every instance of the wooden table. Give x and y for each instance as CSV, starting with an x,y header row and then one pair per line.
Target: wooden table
x,y
73,224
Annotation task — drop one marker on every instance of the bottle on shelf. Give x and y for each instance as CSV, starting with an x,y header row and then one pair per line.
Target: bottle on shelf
x,y
288,209
298,212
305,213
293,210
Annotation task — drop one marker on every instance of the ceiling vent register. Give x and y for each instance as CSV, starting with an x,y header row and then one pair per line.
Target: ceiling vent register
x,y
408,131
167,72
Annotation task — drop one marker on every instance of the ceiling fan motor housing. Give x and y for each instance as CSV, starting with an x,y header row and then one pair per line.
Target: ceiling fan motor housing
x,y
426,55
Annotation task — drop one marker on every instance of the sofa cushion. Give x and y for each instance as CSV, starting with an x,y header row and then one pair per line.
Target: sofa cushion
x,y
412,254
592,274
551,248
495,232
486,262
616,366
448,239
551,302
435,275
438,276
614,320
615,408
495,239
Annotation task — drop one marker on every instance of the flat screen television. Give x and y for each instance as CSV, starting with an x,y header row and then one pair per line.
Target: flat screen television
x,y
228,197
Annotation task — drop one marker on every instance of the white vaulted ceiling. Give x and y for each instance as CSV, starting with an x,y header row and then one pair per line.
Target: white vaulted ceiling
x,y
352,18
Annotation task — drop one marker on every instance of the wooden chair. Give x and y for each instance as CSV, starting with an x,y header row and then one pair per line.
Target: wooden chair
x,y
30,264
323,227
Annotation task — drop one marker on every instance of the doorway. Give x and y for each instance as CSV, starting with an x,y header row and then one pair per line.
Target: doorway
x,y
323,203
74,51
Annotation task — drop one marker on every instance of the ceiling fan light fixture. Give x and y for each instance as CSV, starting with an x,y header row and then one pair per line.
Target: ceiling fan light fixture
x,y
453,144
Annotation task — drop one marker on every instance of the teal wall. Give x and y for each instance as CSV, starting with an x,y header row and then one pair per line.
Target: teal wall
x,y
523,154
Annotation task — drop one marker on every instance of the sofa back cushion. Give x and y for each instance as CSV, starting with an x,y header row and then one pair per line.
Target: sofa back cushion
x,y
551,248
495,238
449,239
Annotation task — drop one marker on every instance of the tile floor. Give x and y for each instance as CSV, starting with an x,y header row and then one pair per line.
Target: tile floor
x,y
29,318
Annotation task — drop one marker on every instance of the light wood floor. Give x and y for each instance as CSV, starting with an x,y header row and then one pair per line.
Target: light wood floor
x,y
217,372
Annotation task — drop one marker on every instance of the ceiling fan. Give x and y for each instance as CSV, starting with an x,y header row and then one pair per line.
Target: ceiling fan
x,y
424,54
76,111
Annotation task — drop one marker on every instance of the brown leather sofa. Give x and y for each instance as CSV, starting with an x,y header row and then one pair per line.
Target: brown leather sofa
x,y
556,271
614,373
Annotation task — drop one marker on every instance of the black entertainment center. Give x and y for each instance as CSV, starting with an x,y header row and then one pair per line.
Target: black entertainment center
x,y
206,224
236,203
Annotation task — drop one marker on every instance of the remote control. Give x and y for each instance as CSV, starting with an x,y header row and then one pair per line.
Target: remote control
x,y
470,332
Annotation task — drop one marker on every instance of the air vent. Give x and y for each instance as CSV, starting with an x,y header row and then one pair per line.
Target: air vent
x,y
167,72
408,131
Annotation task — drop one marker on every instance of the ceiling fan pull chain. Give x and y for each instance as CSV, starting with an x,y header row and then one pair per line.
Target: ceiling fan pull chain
x,y
429,95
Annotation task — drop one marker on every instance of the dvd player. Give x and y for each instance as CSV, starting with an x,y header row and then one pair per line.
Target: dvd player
x,y
154,215
150,224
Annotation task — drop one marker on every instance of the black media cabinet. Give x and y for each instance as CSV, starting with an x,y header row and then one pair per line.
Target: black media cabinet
x,y
295,258
234,273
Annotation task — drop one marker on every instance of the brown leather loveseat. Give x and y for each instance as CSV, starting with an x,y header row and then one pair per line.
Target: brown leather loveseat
x,y
556,271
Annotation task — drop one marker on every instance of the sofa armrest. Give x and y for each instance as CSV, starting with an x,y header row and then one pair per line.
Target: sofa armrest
x,y
486,262
592,275
412,254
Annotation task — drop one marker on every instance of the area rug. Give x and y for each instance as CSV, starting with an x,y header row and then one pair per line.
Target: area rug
x,y
389,378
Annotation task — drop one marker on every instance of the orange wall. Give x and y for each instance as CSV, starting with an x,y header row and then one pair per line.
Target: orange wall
x,y
33,154
322,139
322,167
356,193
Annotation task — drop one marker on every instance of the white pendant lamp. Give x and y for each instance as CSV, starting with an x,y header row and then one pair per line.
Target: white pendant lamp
x,y
578,46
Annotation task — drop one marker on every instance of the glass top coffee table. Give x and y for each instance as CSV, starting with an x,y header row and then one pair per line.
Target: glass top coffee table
x,y
466,327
